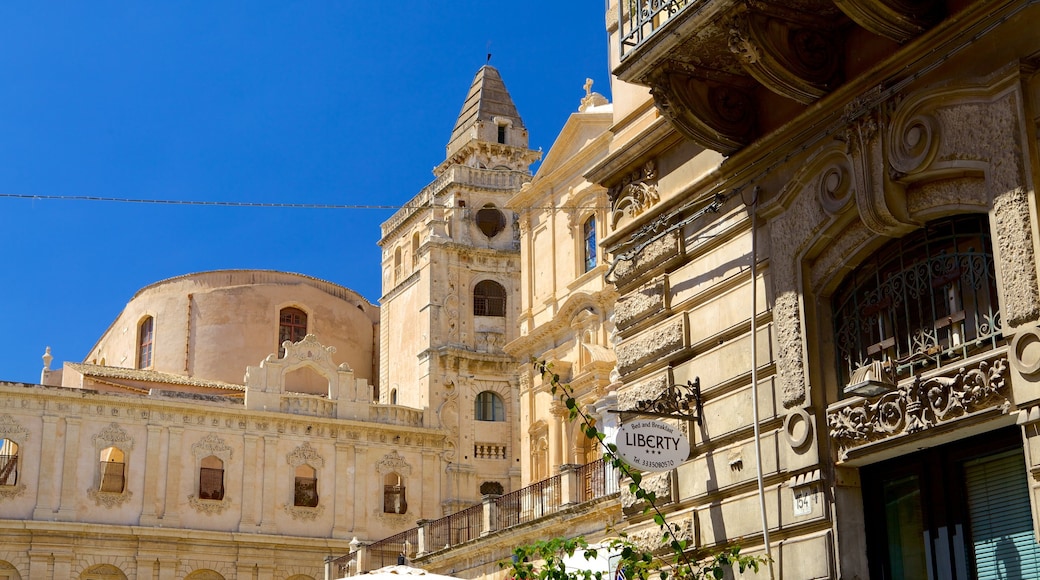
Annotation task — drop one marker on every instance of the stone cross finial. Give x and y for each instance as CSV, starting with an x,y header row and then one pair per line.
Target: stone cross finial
x,y
588,87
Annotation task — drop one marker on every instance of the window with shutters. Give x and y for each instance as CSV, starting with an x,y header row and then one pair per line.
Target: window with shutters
x,y
489,299
305,489
211,478
113,470
292,327
394,501
956,511
8,462
145,342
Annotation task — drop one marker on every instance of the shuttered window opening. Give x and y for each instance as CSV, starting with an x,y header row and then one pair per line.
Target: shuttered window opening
x,y
1001,522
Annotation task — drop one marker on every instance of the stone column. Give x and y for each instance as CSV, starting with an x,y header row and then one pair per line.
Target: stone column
x,y
40,564
170,510
346,471
557,439
269,493
360,487
50,466
154,477
570,487
249,483
62,565
69,473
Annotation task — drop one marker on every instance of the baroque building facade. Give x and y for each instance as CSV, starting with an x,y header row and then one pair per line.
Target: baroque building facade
x,y
824,213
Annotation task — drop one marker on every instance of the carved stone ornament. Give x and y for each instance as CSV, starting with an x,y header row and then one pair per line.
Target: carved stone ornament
x,y
393,463
11,491
635,193
214,445
649,538
209,506
712,108
308,349
113,436
305,454
12,429
920,405
899,20
109,499
794,55
304,513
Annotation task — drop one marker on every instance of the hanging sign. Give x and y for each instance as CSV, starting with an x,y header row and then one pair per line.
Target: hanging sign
x,y
651,445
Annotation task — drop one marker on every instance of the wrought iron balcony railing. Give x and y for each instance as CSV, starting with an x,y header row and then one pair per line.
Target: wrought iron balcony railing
x,y
638,20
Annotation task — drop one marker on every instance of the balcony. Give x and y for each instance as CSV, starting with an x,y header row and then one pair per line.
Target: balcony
x,y
724,72
575,486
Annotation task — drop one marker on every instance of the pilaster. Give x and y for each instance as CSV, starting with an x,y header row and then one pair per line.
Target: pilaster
x,y
69,473
345,468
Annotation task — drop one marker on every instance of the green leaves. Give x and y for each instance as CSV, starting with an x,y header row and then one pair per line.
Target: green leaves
x,y
544,560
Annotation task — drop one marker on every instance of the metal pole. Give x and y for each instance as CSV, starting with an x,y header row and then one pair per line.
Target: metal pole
x,y
754,376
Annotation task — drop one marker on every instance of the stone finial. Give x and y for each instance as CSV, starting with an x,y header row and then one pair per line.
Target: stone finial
x,y
591,99
47,358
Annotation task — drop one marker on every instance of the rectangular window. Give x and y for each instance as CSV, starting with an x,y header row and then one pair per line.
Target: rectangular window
x,y
502,134
211,483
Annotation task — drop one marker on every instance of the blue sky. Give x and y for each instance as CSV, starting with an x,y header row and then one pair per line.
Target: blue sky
x,y
278,102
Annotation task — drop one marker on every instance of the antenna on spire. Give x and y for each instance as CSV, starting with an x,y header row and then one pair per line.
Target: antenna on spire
x,y
489,52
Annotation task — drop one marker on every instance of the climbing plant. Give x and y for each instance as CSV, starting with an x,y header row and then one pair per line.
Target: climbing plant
x,y
546,559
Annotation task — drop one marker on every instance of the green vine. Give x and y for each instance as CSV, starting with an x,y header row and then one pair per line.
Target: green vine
x,y
545,560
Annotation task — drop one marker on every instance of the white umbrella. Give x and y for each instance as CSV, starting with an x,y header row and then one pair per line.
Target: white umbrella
x,y
401,572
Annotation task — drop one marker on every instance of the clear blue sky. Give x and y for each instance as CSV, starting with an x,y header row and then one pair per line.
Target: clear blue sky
x,y
251,101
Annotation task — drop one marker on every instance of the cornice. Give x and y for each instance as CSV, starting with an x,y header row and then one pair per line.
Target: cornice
x,y
20,399
656,137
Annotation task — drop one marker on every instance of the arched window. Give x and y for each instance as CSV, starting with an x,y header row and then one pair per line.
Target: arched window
x,y
415,250
211,478
394,501
397,265
489,407
145,340
113,470
393,396
589,235
489,299
292,326
305,489
8,462
491,221
920,302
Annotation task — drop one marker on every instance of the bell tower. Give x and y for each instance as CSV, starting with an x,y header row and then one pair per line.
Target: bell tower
x,y
451,283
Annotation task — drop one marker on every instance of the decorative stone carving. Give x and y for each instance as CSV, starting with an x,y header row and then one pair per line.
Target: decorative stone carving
x,y
793,54
304,513
660,484
919,405
1025,351
639,304
648,390
663,340
109,499
715,109
10,428
214,445
113,436
305,454
209,506
634,194
899,20
649,538
393,463
11,491
309,349
660,251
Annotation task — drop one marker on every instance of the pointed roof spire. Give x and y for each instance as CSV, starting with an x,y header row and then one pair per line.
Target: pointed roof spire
x,y
488,101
